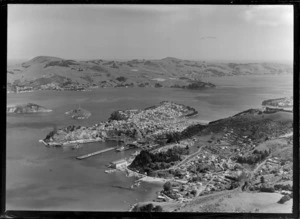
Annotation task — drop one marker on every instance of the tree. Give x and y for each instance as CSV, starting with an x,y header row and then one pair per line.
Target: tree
x,y
147,208
194,192
262,179
121,79
157,208
284,199
167,186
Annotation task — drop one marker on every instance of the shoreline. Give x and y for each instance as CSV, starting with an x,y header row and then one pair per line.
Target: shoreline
x,y
154,180
80,141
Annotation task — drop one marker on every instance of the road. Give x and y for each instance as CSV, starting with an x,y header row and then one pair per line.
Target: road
x,y
184,160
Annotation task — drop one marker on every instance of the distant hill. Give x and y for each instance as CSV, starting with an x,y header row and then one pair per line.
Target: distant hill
x,y
44,72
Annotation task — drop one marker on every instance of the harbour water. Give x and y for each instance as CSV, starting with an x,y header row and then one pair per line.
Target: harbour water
x,y
48,178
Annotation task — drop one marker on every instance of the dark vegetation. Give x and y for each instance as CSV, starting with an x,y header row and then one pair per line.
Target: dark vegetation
x,y
187,133
43,81
98,68
267,188
62,63
25,66
122,115
147,162
198,85
287,187
199,168
108,63
147,208
67,129
215,72
184,78
257,125
121,79
176,86
114,65
284,199
152,64
255,157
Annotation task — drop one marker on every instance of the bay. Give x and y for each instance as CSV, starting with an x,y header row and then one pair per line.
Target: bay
x,y
41,178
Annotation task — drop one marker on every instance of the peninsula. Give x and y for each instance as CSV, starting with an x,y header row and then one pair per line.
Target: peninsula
x,y
225,163
156,124
200,166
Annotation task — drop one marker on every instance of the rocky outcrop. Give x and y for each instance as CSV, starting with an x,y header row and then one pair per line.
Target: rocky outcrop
x,y
79,113
26,108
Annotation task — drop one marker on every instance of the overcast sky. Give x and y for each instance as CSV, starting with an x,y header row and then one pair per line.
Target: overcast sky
x,y
199,32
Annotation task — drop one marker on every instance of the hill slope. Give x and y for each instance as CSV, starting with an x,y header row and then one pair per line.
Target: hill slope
x,y
44,72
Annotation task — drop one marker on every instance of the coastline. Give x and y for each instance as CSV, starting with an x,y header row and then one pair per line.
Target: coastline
x,y
141,180
150,179
80,141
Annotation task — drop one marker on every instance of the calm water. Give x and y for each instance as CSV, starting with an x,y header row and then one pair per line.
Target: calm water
x,y
41,178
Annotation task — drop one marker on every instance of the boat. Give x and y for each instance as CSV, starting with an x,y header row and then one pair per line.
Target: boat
x,y
122,148
109,171
76,146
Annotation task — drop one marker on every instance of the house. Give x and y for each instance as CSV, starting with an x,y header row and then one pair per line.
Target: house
x,y
119,164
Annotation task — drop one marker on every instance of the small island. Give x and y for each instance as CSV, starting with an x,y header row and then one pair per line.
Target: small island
x,y
26,108
79,113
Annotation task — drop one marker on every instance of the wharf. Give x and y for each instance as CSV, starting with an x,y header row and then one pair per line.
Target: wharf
x,y
94,153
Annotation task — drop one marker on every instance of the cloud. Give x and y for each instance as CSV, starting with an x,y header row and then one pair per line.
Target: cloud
x,y
270,15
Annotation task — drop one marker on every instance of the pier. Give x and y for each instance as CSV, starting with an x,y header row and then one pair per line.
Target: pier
x,y
94,153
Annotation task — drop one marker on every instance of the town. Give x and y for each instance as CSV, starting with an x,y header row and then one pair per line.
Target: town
x,y
250,151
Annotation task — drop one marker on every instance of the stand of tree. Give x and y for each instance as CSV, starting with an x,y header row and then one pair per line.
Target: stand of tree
x,y
148,162
253,158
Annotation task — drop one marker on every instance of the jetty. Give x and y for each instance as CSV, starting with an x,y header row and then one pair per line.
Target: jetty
x,y
95,153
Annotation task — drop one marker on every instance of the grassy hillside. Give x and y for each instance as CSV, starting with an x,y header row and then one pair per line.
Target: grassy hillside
x,y
167,72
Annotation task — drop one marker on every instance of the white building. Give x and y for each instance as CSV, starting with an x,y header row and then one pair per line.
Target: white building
x,y
119,164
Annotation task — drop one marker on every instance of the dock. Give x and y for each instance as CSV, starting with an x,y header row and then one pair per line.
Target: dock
x,y
94,153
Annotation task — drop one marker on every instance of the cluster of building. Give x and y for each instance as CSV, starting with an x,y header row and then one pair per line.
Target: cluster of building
x,y
240,144
150,123
273,166
281,104
23,89
233,138
51,86
219,173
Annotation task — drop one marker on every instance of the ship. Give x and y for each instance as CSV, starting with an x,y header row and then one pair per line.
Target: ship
x,y
122,148
109,171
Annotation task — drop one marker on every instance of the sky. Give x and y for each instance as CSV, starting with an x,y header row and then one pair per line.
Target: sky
x,y
198,32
